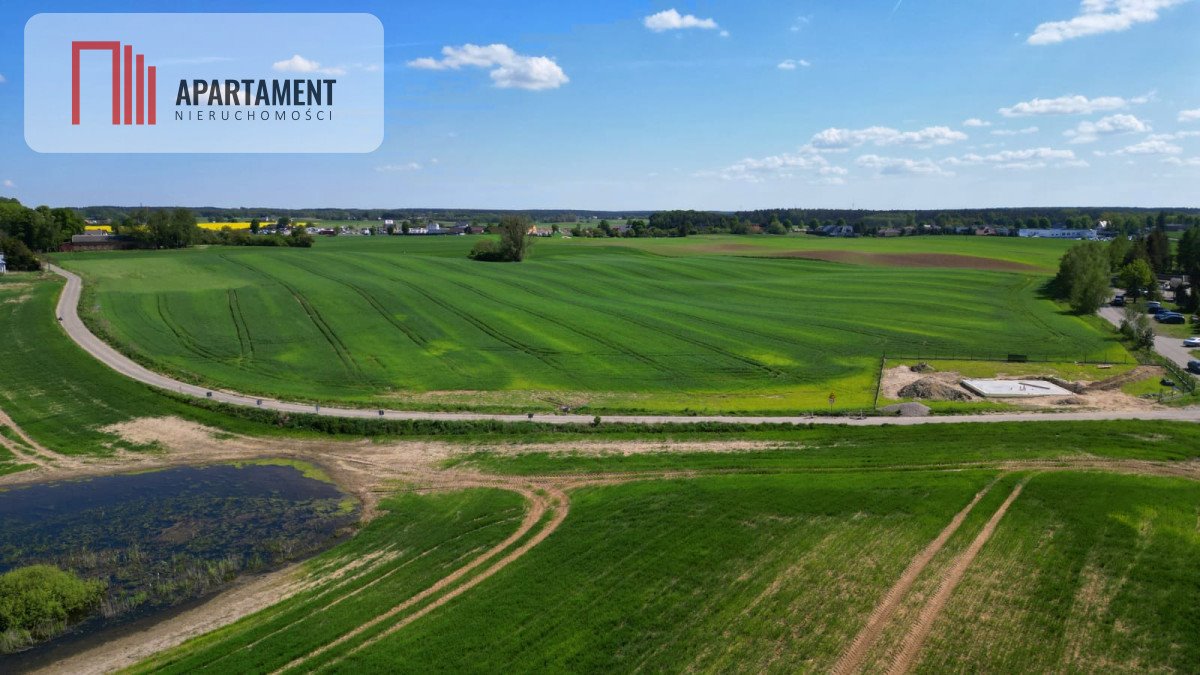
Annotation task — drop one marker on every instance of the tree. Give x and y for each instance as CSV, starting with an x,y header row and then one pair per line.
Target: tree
x,y
1136,325
514,238
776,227
283,222
1082,278
1118,251
17,256
255,224
1158,250
1188,259
1135,276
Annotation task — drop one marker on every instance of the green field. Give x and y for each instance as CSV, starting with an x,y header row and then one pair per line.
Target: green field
x,y
58,393
772,567
703,324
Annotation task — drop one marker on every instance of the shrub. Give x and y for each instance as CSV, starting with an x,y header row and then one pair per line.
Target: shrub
x,y
39,601
17,255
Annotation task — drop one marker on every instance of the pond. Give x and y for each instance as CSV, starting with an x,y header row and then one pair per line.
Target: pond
x,y
162,539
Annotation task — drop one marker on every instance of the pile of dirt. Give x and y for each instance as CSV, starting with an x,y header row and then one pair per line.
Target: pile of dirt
x,y
1073,387
922,367
906,410
1117,381
931,389
1074,400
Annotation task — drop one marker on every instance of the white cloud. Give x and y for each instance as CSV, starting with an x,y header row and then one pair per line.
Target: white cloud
x,y
1015,132
1184,115
299,64
410,166
1069,105
1190,161
842,139
670,19
792,64
510,70
976,122
1178,135
1151,146
2,80
8,183
1100,16
784,165
724,33
800,23
1089,132
895,166
1031,158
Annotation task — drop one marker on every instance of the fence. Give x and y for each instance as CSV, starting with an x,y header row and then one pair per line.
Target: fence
x,y
1184,381
1012,358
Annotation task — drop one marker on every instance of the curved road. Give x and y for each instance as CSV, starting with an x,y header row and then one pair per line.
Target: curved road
x,y
68,314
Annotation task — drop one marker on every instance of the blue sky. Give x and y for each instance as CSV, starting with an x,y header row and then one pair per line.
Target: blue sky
x,y
722,105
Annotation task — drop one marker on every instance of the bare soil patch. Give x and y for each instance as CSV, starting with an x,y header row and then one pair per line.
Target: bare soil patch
x,y
942,260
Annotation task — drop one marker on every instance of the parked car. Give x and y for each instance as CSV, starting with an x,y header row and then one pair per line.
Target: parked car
x,y
1194,367
1153,307
1170,317
1192,342
1118,301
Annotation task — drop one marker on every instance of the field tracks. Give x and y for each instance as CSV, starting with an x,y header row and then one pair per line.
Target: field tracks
x,y
542,501
852,660
920,630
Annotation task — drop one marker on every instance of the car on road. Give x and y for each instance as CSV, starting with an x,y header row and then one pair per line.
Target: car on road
x,y
1192,342
1118,301
1194,367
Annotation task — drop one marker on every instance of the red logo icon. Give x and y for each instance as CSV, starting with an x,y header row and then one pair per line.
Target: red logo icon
x,y
145,82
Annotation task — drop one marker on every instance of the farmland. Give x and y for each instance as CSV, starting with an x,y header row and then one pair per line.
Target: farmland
x,y
769,550
758,565
704,324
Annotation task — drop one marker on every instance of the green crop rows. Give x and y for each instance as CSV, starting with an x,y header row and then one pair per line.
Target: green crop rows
x,y
631,326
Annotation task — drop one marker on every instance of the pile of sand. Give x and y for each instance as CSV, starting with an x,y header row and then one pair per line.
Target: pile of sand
x,y
932,389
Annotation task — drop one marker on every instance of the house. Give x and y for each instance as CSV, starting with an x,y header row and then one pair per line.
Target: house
x,y
1057,233
985,232
837,231
98,241
890,232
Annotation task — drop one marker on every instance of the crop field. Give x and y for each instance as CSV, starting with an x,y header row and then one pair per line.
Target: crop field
x,y
58,393
605,326
780,568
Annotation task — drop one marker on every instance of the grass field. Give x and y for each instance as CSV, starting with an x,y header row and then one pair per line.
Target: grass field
x,y
775,569
58,393
598,325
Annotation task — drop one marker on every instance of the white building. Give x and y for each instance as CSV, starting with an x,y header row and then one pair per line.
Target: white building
x,y
3,265
1057,234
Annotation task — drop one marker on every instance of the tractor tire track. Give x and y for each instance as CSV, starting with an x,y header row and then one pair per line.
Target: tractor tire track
x,y
239,324
416,338
595,337
538,504
851,661
919,631
182,336
339,347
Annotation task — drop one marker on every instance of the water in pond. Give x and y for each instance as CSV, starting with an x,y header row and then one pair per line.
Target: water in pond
x,y
162,538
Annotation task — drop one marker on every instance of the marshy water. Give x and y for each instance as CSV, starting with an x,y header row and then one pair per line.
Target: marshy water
x,y
163,539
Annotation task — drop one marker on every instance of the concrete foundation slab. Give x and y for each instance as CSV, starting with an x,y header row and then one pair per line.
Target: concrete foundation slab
x,y
1014,388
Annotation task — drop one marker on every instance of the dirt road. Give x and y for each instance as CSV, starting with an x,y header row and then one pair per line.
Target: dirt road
x,y
68,314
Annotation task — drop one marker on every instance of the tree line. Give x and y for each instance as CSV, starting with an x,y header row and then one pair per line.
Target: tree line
x,y
1087,270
